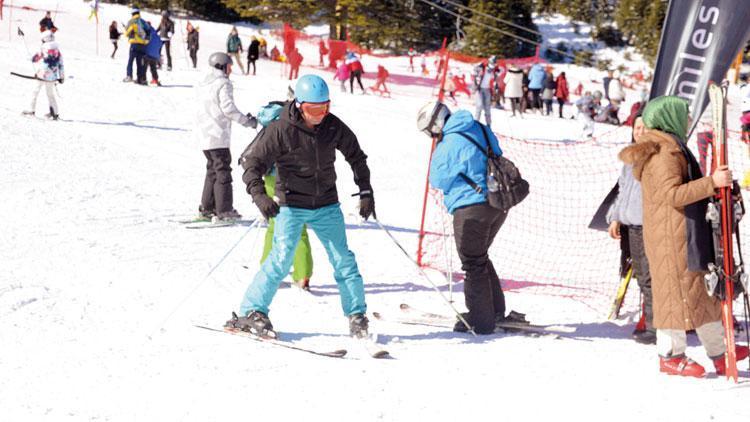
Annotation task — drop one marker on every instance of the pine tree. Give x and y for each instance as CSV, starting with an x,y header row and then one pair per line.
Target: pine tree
x,y
483,41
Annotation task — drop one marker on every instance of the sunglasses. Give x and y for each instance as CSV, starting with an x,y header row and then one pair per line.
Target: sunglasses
x,y
315,109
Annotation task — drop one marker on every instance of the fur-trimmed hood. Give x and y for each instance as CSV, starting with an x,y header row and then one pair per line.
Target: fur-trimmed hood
x,y
639,153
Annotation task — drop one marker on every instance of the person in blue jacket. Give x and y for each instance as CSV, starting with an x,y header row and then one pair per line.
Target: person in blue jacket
x,y
475,223
537,77
153,53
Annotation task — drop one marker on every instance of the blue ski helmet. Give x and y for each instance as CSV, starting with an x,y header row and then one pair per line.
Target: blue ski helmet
x,y
311,89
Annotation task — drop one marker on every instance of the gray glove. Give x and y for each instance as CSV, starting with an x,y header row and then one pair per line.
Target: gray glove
x,y
252,121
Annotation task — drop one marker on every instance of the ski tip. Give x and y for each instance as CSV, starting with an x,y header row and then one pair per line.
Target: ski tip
x,y
404,306
381,354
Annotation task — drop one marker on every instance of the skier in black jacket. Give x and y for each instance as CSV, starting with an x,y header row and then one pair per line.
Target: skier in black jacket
x,y
302,144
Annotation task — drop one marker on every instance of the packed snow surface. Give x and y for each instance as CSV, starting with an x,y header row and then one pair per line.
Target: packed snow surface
x,y
100,289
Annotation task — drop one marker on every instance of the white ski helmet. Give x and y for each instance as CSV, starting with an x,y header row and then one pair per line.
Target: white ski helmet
x,y
48,36
219,60
431,118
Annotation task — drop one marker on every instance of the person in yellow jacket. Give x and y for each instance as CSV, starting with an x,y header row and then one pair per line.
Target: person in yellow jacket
x,y
138,36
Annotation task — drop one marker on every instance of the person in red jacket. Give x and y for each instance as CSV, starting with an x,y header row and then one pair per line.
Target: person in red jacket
x,y
561,92
380,83
322,51
295,60
355,71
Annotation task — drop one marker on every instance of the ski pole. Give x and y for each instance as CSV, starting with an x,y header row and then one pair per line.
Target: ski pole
x,y
255,224
421,271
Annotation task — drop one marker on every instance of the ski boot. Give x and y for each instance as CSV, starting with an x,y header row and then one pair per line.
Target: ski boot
x,y
169,68
358,325
256,323
204,214
644,336
28,113
681,365
52,115
228,216
155,82
720,364
303,284
128,79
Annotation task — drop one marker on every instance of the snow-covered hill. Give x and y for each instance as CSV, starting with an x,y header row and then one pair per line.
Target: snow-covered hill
x,y
100,289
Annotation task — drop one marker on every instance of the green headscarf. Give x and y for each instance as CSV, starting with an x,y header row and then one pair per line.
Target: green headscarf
x,y
667,114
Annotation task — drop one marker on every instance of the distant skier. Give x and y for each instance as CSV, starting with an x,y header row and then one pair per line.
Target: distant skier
x,y
514,88
484,81
322,51
234,47
166,31
475,222
677,237
342,74
114,36
561,92
49,70
216,111
536,84
411,55
355,71
138,36
589,106
46,23
193,43
548,94
295,61
303,145
253,53
380,85
152,58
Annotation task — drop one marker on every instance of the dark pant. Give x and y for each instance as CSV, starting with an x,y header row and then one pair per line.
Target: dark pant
x,y
536,101
194,56
475,228
137,55
560,103
515,104
217,188
114,43
642,272
251,61
355,74
167,45
152,64
547,107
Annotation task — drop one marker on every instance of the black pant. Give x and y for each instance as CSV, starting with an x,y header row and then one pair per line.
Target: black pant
x,y
560,103
152,63
194,56
217,188
515,104
642,272
536,101
251,61
547,107
475,228
114,43
355,74
167,44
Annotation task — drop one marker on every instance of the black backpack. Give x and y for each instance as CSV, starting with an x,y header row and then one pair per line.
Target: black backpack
x,y
511,187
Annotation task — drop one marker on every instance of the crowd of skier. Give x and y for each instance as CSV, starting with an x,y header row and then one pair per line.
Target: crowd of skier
x,y
288,170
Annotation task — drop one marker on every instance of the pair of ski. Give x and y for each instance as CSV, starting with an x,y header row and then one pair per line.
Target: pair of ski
x,y
726,278
516,323
370,345
208,223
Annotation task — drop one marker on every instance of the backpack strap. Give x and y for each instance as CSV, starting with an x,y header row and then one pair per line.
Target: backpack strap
x,y
487,153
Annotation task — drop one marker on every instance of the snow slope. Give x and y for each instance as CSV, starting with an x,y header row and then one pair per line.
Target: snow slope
x,y
99,289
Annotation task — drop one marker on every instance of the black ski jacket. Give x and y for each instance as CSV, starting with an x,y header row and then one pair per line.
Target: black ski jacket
x,y
304,159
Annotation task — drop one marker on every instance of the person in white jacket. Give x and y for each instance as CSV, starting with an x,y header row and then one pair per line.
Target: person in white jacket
x,y
514,88
216,111
49,70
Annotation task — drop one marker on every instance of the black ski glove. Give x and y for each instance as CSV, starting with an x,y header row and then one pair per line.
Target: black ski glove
x,y
367,205
61,80
267,206
252,121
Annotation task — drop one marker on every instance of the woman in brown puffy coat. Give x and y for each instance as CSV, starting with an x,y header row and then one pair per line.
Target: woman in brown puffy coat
x,y
675,195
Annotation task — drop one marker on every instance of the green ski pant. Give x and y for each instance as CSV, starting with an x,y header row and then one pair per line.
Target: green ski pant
x,y
303,262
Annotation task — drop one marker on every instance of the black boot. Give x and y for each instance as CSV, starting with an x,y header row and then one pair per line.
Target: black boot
x,y
51,115
358,325
255,322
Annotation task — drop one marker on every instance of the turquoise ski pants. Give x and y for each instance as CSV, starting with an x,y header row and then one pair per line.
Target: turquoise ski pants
x,y
328,224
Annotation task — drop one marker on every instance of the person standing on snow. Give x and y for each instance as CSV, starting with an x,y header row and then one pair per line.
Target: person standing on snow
x,y
166,31
475,222
49,70
626,215
342,74
193,43
589,106
355,71
152,58
484,79
253,52
561,92
514,88
302,144
675,196
234,47
114,36
216,111
46,23
138,36
295,61
536,84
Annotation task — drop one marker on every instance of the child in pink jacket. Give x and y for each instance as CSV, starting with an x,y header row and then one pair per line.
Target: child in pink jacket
x,y
342,74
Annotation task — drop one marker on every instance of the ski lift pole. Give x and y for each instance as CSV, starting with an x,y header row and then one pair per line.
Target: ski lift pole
x,y
421,271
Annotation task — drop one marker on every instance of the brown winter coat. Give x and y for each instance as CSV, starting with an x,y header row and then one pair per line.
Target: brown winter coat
x,y
680,298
